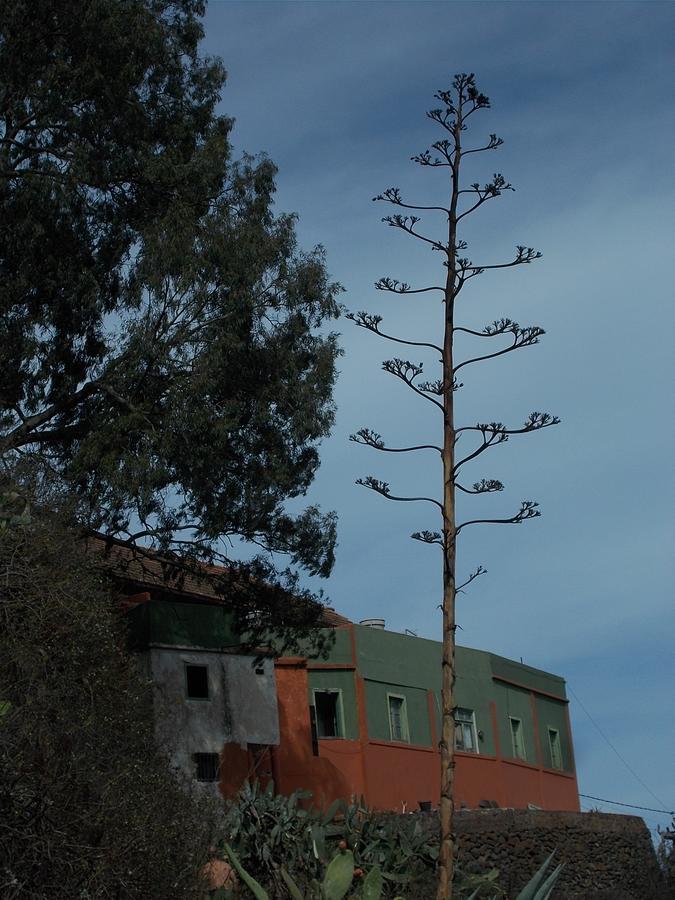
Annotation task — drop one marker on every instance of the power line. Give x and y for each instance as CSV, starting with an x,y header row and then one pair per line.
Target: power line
x,y
612,747
668,812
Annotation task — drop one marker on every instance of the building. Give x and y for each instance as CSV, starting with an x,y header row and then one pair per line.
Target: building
x,y
363,721
366,721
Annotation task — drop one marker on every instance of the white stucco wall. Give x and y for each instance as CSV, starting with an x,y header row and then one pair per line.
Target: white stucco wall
x,y
242,704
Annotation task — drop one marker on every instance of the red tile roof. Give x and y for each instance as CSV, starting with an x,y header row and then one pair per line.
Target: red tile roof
x,y
145,568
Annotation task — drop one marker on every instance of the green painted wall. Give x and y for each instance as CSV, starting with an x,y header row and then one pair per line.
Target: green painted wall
x,y
514,702
402,661
552,714
417,711
337,647
180,624
533,678
338,680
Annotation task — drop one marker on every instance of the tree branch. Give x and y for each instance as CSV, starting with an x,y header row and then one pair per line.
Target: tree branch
x,y
523,255
407,224
428,537
407,372
371,323
393,195
484,486
522,337
381,487
372,439
479,571
400,287
528,510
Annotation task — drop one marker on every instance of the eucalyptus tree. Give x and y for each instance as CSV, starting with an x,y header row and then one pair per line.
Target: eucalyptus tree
x,y
458,104
161,353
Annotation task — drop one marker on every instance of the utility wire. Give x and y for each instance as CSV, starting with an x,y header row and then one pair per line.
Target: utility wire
x,y
611,745
668,812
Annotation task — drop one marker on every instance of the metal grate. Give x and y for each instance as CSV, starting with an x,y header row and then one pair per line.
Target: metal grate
x,y
207,765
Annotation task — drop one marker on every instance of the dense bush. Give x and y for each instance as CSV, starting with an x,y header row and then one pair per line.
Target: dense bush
x,y
88,807
268,831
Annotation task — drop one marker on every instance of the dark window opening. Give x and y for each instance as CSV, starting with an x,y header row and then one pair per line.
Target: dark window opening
x,y
328,719
207,765
197,682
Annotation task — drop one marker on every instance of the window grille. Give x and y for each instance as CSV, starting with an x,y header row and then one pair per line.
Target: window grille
x,y
207,765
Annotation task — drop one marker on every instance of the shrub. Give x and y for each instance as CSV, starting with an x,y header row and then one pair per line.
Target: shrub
x,y
89,807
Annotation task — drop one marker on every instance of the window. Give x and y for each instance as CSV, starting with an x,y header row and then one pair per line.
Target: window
x,y
328,706
517,738
197,682
465,730
554,744
398,718
208,765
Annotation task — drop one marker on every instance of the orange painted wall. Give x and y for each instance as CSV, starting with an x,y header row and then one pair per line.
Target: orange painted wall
x,y
337,772
398,775
389,775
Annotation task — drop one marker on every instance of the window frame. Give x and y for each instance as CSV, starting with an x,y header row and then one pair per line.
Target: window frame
x,y
521,736
474,729
558,749
192,665
339,714
405,728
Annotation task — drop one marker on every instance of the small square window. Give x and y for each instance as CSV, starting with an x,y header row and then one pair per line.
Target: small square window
x,y
328,714
398,718
197,682
556,752
517,738
207,766
465,730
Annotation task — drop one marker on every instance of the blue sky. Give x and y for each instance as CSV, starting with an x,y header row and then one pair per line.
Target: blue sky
x,y
583,95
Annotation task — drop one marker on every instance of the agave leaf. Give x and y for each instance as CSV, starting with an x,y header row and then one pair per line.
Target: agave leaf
x,y
293,889
330,813
339,876
529,892
372,885
398,877
256,889
546,889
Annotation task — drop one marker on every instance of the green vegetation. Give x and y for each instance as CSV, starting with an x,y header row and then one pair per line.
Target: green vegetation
x,y
89,806
164,351
282,847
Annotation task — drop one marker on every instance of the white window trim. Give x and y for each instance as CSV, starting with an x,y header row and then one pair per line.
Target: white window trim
x,y
556,732
340,714
476,751
404,718
513,719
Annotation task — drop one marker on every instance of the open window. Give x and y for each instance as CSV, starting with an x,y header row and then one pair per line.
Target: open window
x,y
197,682
556,752
328,711
517,739
465,730
398,718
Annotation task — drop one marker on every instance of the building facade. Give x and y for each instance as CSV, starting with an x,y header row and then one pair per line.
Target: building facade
x,y
366,722
362,721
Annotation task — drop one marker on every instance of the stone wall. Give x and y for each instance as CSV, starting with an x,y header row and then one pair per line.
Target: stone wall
x,y
606,857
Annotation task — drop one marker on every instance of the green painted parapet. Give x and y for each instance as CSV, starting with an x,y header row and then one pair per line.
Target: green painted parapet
x,y
181,624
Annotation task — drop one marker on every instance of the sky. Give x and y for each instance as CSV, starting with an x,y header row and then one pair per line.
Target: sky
x,y
583,96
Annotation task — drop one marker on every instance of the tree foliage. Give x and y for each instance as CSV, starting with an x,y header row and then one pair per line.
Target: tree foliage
x,y
162,351
89,806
